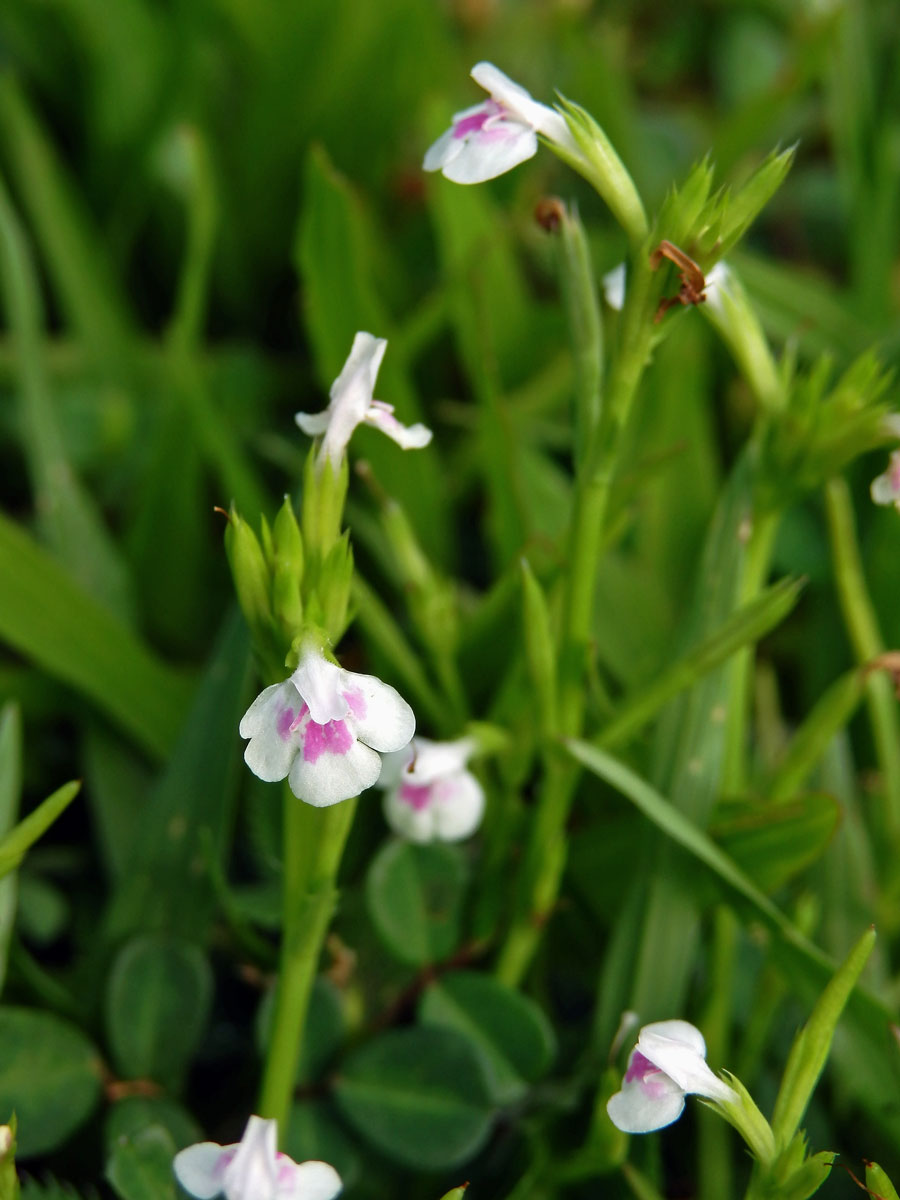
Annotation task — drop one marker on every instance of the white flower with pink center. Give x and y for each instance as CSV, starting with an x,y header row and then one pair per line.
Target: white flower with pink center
x,y
431,796
668,1063
496,135
324,729
252,1169
352,403
885,488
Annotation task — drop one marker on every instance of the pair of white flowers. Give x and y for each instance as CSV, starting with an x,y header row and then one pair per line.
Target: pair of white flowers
x,y
325,729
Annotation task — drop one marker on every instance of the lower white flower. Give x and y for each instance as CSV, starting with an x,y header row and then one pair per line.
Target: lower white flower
x,y
352,403
668,1063
252,1169
324,729
496,135
885,488
432,797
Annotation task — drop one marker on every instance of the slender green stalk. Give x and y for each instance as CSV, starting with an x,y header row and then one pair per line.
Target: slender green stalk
x,y
753,579
314,842
862,627
545,855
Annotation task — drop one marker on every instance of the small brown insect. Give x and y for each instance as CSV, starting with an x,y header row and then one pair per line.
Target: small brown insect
x,y
692,279
549,213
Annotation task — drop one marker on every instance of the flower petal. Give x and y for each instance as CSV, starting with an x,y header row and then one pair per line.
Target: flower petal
x,y
330,777
383,720
492,152
198,1168
314,1180
266,722
614,287
458,807
677,1049
409,822
252,1172
637,1110
321,684
351,394
438,153
313,424
410,437
521,104
433,760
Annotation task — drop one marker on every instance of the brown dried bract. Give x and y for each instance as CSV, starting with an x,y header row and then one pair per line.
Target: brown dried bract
x,y
692,279
890,662
549,213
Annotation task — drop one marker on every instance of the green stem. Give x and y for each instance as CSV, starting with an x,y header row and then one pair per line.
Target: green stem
x,y
545,856
314,844
757,561
865,635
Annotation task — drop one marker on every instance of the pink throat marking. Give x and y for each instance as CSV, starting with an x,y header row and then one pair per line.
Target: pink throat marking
x,y
639,1067
331,738
475,123
287,723
417,796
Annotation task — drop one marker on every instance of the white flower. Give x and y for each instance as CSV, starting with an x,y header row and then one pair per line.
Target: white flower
x,y
885,488
351,403
496,135
322,729
718,285
668,1063
614,287
432,797
252,1169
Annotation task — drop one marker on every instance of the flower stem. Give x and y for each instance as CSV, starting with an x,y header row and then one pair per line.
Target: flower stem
x,y
314,842
862,626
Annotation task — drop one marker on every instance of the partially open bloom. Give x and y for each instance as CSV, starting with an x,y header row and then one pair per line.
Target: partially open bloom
x,y
885,488
668,1063
430,796
496,135
323,728
352,403
252,1169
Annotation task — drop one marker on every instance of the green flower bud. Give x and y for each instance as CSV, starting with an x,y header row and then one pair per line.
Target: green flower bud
x,y
287,569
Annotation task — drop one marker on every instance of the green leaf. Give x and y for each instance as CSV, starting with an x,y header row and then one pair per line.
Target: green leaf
x,y
140,1166
47,617
812,1044
51,1077
189,813
10,796
9,1179
414,895
157,1003
810,742
418,1095
27,832
66,512
773,842
744,627
514,1038
132,1114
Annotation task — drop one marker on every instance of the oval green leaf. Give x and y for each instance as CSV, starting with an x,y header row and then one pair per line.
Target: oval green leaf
x,y
140,1166
512,1035
414,895
418,1095
157,1003
50,1077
